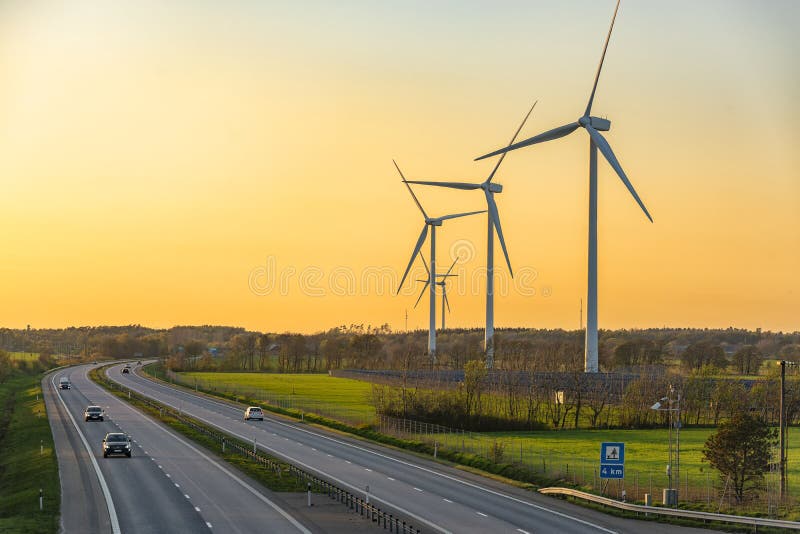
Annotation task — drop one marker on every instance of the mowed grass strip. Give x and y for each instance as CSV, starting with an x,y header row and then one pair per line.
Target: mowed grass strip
x,y
341,395
23,468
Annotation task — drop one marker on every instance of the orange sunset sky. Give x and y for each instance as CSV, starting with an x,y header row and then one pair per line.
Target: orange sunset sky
x,y
196,162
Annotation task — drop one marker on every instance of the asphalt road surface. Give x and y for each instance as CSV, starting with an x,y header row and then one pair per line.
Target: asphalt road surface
x,y
433,497
167,486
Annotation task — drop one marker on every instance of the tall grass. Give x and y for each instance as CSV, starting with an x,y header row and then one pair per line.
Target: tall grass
x,y
24,470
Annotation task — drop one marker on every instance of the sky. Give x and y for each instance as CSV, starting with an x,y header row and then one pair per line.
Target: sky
x,y
198,162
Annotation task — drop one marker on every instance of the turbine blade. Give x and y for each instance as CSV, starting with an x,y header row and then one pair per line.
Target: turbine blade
x,y
513,138
600,66
425,263
445,299
457,215
453,185
451,268
495,215
549,135
420,241
605,148
410,190
422,292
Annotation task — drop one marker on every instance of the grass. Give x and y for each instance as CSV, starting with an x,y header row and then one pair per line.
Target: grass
x,y
546,457
24,356
339,398
23,469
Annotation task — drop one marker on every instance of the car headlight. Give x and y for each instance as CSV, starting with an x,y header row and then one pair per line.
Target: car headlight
x,y
127,445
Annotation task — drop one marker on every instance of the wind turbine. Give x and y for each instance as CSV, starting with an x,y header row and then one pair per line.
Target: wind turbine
x,y
431,222
593,125
489,190
442,283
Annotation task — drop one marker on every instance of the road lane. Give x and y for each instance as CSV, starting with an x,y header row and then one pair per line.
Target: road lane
x,y
83,507
169,484
446,499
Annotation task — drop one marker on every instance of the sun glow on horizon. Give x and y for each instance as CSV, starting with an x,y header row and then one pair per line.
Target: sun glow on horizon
x,y
194,163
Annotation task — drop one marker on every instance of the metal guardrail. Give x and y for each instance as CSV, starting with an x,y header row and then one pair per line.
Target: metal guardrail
x,y
675,512
355,503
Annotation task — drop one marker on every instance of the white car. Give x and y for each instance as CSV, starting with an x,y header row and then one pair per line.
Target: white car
x,y
253,412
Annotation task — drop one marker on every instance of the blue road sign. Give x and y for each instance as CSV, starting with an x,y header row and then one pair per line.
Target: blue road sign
x,y
612,471
612,453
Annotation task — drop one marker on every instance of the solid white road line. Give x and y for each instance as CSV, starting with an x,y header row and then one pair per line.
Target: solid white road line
x,y
112,512
216,464
390,458
315,469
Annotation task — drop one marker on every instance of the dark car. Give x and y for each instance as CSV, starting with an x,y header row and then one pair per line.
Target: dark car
x,y
125,370
93,413
116,443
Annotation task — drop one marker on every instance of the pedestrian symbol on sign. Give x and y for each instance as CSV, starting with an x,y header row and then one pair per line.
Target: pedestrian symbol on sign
x,y
612,453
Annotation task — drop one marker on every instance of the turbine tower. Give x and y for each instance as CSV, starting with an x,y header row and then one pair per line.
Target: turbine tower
x,y
431,222
593,126
493,218
442,283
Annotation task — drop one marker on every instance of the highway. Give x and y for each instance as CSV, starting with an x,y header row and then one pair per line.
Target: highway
x,y
168,485
434,497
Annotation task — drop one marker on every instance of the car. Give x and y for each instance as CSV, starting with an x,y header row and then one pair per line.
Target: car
x,y
63,383
116,443
93,413
139,362
253,412
126,370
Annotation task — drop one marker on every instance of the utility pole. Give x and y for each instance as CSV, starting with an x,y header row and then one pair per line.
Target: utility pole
x,y
783,427
581,315
406,319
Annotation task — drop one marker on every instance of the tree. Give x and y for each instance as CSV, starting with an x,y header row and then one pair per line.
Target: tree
x,y
703,353
747,360
740,451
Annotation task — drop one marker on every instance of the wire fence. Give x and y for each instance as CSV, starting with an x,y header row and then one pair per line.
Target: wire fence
x,y
356,503
695,486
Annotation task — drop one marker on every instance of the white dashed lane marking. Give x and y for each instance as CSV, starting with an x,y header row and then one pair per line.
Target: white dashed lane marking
x,y
209,524
390,478
417,489
481,514
368,469
197,509
523,531
448,500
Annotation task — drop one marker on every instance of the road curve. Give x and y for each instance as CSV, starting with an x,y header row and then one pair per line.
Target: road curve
x,y
438,498
169,484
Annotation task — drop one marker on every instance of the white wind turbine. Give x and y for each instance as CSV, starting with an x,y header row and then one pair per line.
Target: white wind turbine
x,y
489,190
431,222
593,125
442,283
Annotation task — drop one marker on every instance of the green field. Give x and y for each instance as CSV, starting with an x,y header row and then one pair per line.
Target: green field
x,y
24,356
572,455
340,398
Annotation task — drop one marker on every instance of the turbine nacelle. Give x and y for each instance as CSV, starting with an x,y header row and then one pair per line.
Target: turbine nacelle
x,y
601,125
433,222
492,187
